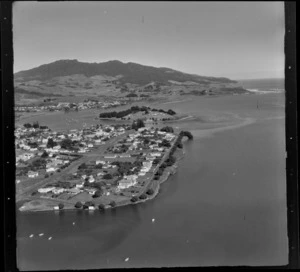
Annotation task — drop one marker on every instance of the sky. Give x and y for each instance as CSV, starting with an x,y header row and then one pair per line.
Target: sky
x,y
239,40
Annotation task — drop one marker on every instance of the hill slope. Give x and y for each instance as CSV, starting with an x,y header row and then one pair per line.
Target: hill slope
x,y
114,79
131,72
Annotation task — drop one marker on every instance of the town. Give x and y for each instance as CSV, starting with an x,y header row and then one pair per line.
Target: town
x,y
100,166
67,106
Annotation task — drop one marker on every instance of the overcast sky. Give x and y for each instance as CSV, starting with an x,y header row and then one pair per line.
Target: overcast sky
x,y
239,40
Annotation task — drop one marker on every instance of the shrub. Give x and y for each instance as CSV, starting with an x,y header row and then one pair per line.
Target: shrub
x,y
27,125
167,129
134,199
101,207
179,145
78,205
107,176
143,196
82,166
150,192
113,204
44,155
98,193
36,124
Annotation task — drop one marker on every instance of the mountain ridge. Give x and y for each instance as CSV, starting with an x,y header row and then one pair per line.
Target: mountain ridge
x,y
131,72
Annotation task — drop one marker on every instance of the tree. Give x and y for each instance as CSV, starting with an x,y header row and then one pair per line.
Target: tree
x,y
50,143
134,199
27,125
165,143
146,141
99,166
143,196
113,204
78,205
66,143
150,192
82,166
39,162
156,161
107,176
137,124
44,155
101,207
179,145
187,134
36,124
61,206
171,112
167,129
98,193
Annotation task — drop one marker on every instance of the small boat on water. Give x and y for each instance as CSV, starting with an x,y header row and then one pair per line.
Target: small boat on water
x,y
30,236
49,238
127,259
73,223
41,234
153,220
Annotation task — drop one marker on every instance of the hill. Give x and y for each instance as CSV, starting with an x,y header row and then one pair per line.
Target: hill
x,y
128,72
114,79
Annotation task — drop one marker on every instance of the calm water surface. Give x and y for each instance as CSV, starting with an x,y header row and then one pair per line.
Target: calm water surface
x,y
224,206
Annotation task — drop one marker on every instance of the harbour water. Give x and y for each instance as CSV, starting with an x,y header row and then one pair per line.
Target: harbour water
x,y
226,205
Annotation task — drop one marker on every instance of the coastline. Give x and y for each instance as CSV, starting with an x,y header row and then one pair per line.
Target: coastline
x,y
155,185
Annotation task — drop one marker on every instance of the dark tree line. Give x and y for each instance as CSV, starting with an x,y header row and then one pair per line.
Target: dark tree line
x,y
132,110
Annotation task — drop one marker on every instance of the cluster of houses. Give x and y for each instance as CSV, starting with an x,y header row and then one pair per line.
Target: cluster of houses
x,y
145,142
33,142
90,104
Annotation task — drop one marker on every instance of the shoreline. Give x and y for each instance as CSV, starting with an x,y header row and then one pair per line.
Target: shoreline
x,y
155,183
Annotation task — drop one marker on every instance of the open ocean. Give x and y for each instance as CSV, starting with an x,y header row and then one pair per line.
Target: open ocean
x,y
226,205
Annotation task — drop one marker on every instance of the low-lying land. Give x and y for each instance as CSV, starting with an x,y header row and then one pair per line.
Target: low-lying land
x,y
98,167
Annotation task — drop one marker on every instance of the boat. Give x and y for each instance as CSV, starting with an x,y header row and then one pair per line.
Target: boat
x,y
41,234
31,236
49,238
153,219
127,259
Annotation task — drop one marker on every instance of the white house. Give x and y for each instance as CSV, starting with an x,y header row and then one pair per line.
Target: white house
x,y
32,174
57,191
51,169
127,181
99,161
91,179
45,190
110,156
74,191
91,191
79,185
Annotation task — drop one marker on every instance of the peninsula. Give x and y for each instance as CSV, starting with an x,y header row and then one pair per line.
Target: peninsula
x,y
95,168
